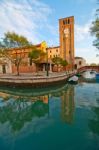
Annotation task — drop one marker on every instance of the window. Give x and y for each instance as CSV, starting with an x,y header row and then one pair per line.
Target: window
x,y
80,63
64,22
50,51
75,66
56,50
68,21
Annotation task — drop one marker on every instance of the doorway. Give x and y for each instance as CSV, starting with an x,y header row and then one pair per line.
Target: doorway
x,y
3,69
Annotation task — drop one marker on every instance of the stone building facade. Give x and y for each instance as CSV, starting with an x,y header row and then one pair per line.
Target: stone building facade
x,y
53,52
79,62
6,66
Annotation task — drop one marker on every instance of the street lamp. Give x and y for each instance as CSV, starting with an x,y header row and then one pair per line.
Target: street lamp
x,y
47,70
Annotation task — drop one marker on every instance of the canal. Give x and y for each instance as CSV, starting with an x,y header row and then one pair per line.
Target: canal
x,y
62,118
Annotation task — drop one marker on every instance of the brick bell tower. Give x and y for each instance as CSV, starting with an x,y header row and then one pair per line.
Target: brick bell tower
x,y
66,33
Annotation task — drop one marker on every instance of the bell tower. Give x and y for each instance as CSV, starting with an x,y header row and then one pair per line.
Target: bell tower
x,y
66,32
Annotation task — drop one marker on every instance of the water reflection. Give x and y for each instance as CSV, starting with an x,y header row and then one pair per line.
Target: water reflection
x,y
18,110
89,75
44,119
94,122
67,105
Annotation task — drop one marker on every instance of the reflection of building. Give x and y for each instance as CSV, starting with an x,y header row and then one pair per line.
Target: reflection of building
x,y
44,99
79,62
67,105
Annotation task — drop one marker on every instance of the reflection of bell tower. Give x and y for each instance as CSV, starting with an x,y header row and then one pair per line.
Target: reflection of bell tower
x,y
66,30
67,105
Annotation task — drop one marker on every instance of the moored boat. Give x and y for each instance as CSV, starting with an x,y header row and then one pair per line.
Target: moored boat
x,y
73,80
92,72
97,76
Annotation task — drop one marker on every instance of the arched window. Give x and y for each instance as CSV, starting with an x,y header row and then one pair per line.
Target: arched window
x,y
68,21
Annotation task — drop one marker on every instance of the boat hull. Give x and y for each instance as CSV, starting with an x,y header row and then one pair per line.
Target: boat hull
x,y
97,76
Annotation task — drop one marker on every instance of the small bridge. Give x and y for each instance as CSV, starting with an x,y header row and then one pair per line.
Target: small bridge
x,y
91,68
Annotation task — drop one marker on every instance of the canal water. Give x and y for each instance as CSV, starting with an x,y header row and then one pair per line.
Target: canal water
x,y
60,118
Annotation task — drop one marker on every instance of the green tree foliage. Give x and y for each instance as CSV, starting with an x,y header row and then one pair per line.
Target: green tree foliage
x,y
95,29
59,61
93,64
64,63
13,40
36,56
19,112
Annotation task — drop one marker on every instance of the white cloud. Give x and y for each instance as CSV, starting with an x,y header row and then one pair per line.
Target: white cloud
x,y
84,42
25,17
89,53
82,32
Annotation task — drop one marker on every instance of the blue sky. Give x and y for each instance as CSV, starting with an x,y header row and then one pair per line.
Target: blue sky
x,y
38,21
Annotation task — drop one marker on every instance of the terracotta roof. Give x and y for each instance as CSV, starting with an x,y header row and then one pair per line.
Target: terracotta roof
x,y
25,47
66,17
53,47
79,57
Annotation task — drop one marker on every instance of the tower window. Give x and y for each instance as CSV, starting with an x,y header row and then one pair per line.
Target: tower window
x,y
64,22
68,21
56,50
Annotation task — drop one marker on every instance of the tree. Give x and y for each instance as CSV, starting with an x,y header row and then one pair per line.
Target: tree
x,y
36,55
93,64
95,29
57,61
64,63
12,40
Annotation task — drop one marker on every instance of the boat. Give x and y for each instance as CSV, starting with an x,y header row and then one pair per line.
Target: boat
x,y
92,72
97,76
73,80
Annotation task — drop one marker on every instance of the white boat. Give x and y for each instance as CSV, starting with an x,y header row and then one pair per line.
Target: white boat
x,y
73,79
92,72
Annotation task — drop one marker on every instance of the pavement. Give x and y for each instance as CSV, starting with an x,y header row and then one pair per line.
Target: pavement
x,y
34,75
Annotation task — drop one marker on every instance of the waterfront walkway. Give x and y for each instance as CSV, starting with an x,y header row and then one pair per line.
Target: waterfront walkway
x,y
36,80
33,75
